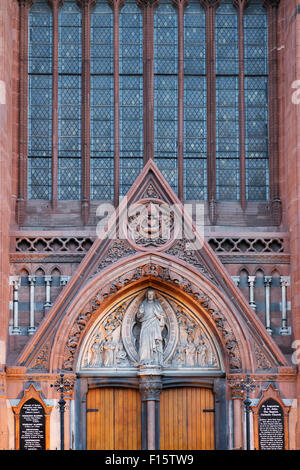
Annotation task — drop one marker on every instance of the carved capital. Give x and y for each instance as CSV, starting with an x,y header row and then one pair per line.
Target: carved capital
x,y
26,3
240,4
150,387
55,3
116,4
271,3
210,3
178,3
148,3
86,3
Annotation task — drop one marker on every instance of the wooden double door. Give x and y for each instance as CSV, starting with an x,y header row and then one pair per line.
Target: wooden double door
x,y
186,419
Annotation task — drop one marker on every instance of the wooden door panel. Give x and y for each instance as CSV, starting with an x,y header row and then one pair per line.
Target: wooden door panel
x,y
184,425
116,425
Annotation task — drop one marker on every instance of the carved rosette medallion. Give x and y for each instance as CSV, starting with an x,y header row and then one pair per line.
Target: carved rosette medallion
x,y
150,224
149,331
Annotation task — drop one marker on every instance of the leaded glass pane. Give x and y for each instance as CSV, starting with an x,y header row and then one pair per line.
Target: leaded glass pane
x,y
101,103
39,100
227,103
194,39
69,102
131,94
131,130
256,39
226,39
69,51
165,90
194,149
102,39
131,39
256,100
227,138
194,144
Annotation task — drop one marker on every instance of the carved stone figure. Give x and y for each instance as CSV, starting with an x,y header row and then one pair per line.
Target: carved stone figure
x,y
152,319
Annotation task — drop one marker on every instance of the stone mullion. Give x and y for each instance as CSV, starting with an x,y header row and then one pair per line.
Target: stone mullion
x,y
210,7
55,4
148,7
271,6
241,5
86,6
180,5
23,121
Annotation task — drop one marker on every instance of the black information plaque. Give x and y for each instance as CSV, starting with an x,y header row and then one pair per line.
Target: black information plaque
x,y
271,426
32,426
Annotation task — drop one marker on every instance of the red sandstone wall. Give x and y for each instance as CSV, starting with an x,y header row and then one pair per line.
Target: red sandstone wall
x,y
289,22
8,119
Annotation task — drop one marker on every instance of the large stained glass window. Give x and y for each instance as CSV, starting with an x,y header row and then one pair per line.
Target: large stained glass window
x,y
165,90
69,101
194,147
102,103
227,102
197,88
40,101
131,94
256,101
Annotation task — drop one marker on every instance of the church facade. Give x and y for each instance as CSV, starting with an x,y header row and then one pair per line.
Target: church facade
x,y
150,224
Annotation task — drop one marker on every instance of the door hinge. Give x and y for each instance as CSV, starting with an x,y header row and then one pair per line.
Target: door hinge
x,y
209,411
90,410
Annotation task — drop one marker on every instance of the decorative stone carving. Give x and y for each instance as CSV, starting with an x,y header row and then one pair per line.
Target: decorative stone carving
x,y
106,347
149,332
180,251
152,319
167,275
151,192
118,249
150,224
194,349
262,362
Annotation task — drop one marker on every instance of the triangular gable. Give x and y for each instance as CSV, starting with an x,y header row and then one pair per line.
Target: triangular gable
x,y
149,186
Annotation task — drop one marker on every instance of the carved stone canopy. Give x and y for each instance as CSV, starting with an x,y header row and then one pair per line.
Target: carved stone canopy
x,y
149,329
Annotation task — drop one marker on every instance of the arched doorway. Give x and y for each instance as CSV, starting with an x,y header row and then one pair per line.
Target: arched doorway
x,y
132,405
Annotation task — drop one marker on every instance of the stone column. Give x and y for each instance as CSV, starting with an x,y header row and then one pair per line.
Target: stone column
x,y
16,283
150,388
284,282
32,328
267,282
251,282
48,304
238,407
